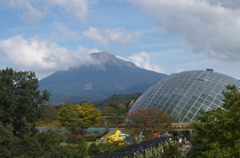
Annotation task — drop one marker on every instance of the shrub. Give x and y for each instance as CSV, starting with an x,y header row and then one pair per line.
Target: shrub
x,y
93,149
90,138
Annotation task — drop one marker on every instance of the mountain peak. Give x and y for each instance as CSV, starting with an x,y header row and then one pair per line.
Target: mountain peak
x,y
105,57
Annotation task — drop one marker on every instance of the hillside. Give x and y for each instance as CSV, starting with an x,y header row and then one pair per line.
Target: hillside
x,y
96,82
116,98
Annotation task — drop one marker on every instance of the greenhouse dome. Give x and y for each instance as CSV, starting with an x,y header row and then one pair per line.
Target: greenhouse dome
x,y
183,94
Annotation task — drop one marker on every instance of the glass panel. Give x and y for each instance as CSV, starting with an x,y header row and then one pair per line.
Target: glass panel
x,y
171,107
188,96
174,113
207,91
209,98
181,104
169,112
216,90
194,97
220,97
204,107
213,94
213,105
197,105
198,114
184,100
186,119
207,103
187,107
184,112
200,100
194,110
167,105
191,102
203,96
190,115
217,102
170,100
177,109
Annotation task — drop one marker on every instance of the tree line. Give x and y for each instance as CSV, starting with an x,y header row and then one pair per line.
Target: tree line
x,y
23,107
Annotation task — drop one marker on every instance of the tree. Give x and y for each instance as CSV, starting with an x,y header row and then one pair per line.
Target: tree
x,y
82,148
220,127
5,140
116,113
79,116
171,150
20,100
148,120
50,114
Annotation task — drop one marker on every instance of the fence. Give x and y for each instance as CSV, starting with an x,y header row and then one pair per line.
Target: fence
x,y
145,149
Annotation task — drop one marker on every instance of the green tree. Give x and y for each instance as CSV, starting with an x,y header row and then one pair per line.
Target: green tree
x,y
148,120
20,100
5,140
116,113
49,139
82,148
108,147
220,127
202,147
171,150
49,114
79,116
93,149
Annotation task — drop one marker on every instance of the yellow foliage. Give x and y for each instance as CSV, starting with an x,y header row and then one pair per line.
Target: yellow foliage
x,y
76,115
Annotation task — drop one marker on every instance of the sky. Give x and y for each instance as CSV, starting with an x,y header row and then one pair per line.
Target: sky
x,y
166,36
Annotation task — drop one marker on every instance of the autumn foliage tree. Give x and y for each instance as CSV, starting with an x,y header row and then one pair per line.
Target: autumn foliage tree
x,y
79,117
148,120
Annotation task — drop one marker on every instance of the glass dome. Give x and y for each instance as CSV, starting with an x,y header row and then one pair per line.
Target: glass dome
x,y
183,94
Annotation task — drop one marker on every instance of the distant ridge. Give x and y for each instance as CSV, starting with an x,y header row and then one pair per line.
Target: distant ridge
x,y
111,75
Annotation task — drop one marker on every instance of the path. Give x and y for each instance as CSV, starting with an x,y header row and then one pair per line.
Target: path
x,y
185,147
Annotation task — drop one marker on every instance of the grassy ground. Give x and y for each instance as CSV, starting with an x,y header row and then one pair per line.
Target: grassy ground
x,y
112,132
88,143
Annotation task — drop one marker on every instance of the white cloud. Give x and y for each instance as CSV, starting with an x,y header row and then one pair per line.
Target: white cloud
x,y
142,60
67,34
211,27
77,8
233,4
41,56
36,10
106,35
27,11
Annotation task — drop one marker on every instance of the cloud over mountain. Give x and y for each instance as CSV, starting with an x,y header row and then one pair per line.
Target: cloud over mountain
x,y
142,60
41,55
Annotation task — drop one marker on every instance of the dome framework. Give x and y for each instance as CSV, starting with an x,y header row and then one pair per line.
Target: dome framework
x,y
182,95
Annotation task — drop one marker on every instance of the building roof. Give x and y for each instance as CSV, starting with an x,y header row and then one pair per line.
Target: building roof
x,y
183,94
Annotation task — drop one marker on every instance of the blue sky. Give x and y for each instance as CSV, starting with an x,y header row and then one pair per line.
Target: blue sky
x,y
166,36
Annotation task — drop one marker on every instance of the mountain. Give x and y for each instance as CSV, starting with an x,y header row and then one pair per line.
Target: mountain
x,y
111,75
116,98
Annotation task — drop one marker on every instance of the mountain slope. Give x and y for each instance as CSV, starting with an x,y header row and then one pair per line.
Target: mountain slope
x,y
110,76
